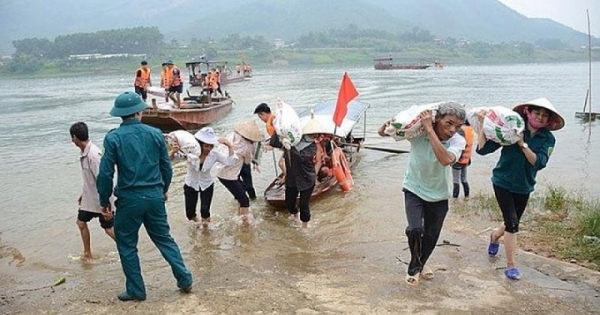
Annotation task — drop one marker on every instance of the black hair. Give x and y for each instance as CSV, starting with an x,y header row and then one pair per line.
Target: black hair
x,y
80,131
128,116
262,108
144,62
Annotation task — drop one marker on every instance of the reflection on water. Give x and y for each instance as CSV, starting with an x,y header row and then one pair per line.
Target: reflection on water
x,y
41,179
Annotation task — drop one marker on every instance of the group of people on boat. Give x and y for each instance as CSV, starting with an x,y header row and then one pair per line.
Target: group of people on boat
x,y
244,68
171,80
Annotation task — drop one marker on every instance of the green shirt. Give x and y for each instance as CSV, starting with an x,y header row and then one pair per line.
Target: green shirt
x,y
513,172
143,166
425,176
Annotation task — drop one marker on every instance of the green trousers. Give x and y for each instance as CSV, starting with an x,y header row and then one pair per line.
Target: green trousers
x,y
131,213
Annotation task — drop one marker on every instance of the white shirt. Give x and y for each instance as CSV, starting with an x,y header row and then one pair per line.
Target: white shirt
x,y
198,176
90,165
244,149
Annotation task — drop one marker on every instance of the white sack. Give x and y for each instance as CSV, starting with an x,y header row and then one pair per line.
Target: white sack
x,y
156,91
187,142
287,124
407,123
501,124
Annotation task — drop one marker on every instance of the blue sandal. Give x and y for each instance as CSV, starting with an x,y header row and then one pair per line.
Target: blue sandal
x,y
512,273
493,247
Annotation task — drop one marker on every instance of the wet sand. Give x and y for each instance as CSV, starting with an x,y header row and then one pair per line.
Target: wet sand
x,y
334,277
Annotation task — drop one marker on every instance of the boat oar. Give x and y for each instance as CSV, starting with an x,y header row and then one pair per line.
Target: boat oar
x,y
375,148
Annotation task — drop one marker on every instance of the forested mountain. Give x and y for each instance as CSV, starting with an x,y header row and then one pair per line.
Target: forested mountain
x,y
483,20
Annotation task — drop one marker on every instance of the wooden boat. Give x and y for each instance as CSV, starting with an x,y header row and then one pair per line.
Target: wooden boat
x,y
198,70
349,144
195,112
388,64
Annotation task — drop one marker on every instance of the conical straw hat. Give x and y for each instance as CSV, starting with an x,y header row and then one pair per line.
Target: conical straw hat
x,y
249,130
557,122
313,126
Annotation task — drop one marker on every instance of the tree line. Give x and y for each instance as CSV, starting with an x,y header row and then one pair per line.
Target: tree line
x,y
139,40
33,54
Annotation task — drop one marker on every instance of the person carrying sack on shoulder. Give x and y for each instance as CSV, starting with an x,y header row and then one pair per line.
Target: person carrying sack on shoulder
x,y
426,183
513,178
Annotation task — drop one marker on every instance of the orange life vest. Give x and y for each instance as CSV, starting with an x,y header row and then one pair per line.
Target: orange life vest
x,y
466,154
164,78
144,79
269,125
173,78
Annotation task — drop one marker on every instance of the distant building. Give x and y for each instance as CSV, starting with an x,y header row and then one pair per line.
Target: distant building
x,y
279,43
104,56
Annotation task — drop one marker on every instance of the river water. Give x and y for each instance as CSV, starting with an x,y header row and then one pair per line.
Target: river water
x,y
41,179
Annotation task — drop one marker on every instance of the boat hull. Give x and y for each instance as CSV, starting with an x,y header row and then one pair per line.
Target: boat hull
x,y
190,118
401,67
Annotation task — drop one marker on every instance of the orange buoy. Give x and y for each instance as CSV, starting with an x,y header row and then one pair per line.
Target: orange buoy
x,y
341,169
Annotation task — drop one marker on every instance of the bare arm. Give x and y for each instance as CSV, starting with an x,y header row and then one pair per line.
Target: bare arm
x,y
381,130
480,136
442,155
529,154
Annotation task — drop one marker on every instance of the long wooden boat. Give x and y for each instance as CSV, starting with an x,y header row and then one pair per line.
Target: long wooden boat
x,y
350,145
197,71
388,64
195,112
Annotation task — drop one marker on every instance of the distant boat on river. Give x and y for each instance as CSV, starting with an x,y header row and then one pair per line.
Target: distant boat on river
x,y
387,63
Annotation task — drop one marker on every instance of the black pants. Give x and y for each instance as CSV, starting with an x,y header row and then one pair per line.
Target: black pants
x,y
425,221
191,201
512,206
291,194
141,92
246,178
236,188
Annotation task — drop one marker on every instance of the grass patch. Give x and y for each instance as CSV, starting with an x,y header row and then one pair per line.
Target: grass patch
x,y
558,224
480,204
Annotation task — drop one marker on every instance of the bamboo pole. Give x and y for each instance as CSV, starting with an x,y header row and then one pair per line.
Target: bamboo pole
x,y
589,72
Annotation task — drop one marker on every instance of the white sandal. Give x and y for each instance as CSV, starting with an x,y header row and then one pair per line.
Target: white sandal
x,y
427,273
413,280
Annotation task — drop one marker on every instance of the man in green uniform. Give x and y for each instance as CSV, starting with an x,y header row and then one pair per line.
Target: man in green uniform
x,y
144,175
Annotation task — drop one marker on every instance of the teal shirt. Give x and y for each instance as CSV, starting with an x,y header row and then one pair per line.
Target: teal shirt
x,y
425,176
513,172
140,154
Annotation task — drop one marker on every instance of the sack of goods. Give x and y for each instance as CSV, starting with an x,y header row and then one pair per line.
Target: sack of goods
x,y
500,124
287,124
407,123
188,144
156,91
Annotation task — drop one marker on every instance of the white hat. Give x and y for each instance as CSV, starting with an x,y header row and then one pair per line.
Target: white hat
x,y
207,135
556,122
249,130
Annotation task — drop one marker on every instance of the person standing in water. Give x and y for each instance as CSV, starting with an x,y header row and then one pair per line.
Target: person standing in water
x,y
198,179
89,202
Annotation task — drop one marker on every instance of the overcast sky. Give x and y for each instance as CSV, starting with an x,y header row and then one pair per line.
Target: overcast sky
x,y
568,12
